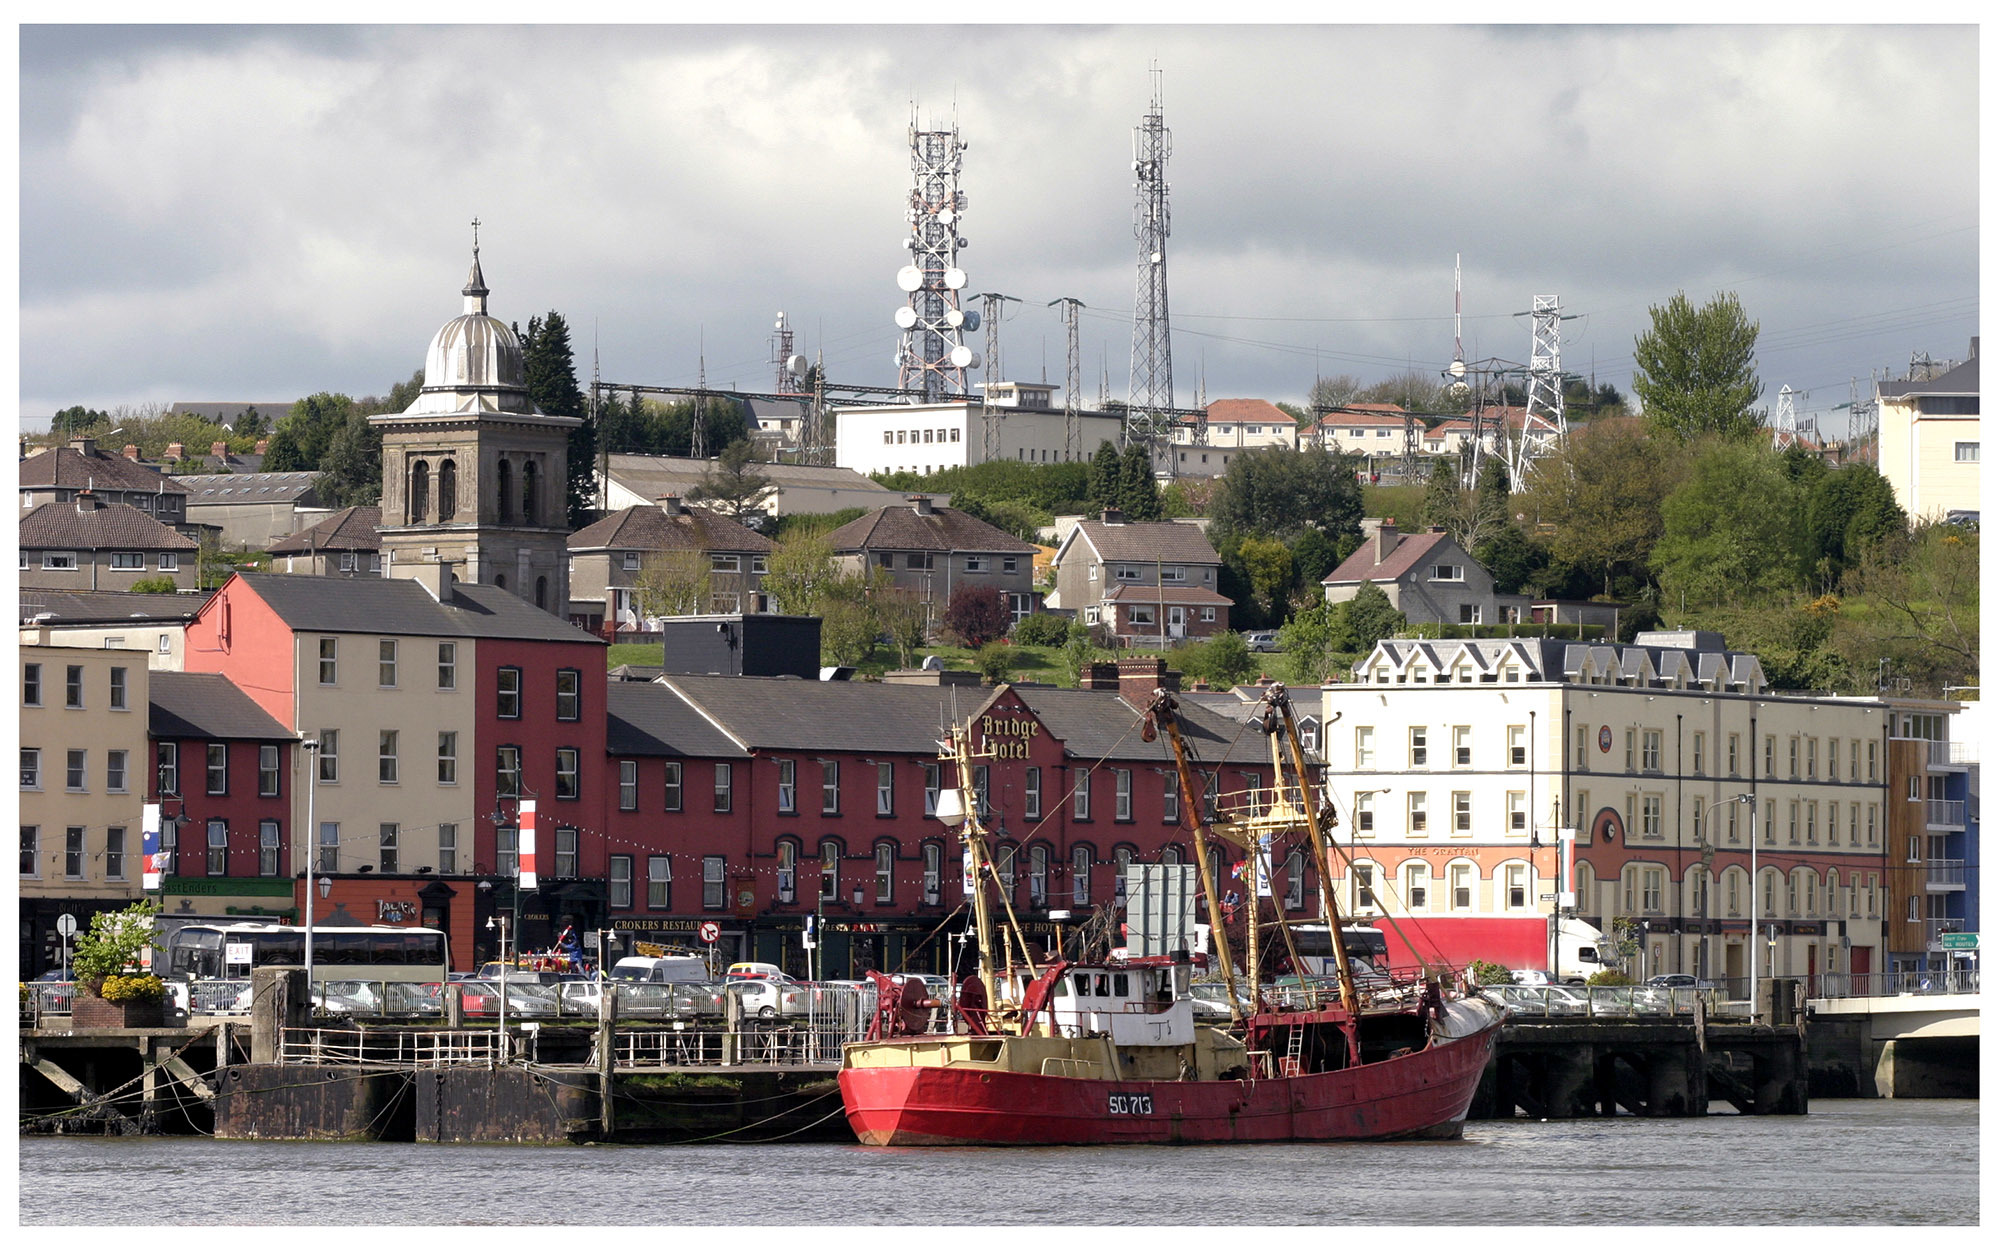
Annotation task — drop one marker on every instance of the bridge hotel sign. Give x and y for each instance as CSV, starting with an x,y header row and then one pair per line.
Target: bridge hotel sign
x,y
1007,736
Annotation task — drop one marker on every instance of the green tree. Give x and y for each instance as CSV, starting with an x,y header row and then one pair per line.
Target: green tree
x,y
995,661
1697,368
1922,596
904,619
1371,617
1224,660
1602,493
1335,391
72,421
847,632
673,582
802,570
1314,555
735,483
1513,560
115,941
1849,510
1280,493
1079,652
1138,492
303,436
1732,531
1268,563
352,475
1107,480
551,369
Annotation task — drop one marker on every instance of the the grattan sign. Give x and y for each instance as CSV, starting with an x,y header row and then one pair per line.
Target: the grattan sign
x,y
1009,736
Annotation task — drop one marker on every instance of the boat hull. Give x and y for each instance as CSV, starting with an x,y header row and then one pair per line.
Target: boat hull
x,y
1420,1095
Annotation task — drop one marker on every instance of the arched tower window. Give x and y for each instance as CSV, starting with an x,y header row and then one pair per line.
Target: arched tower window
x,y
500,581
505,478
542,591
529,484
419,502
447,490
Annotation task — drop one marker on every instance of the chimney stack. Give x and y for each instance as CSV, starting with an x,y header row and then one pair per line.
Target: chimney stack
x,y
83,446
1113,515
219,450
922,502
671,504
132,451
263,445
1137,678
436,578
175,452
1386,538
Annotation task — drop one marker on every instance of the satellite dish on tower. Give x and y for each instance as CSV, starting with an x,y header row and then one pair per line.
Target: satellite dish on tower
x,y
954,318
909,277
906,317
962,357
972,320
1457,368
796,366
954,279
945,216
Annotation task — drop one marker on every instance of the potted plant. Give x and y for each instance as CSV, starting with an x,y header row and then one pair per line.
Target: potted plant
x,y
111,989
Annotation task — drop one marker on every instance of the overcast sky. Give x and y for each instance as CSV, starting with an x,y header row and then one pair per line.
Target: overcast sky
x,y
257,213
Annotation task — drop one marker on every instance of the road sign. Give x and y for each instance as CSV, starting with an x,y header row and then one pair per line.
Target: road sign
x,y
66,924
1960,942
710,932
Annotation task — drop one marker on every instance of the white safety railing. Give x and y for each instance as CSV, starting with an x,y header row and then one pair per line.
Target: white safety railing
x,y
1557,1002
413,1048
1943,813
1898,984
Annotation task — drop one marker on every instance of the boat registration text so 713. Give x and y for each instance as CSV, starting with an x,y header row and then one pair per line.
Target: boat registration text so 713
x,y
1124,1104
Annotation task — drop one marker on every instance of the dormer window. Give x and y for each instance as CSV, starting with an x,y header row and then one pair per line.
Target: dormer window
x,y
1448,572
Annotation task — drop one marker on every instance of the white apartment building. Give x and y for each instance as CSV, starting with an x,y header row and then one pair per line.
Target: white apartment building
x,y
1929,440
1456,763
1031,427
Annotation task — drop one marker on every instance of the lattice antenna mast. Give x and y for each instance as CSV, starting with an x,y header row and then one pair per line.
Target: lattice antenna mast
x,y
990,412
1543,425
1785,421
699,445
815,447
932,357
1072,379
781,356
1149,415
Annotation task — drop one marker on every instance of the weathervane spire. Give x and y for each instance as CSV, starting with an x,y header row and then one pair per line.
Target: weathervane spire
x,y
475,291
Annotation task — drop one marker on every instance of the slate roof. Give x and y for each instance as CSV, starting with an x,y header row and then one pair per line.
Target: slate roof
x,y
1095,725
1361,565
655,721
776,713
653,475
1962,379
651,528
60,525
104,606
350,528
1365,415
370,604
67,468
210,706
899,527
228,488
1148,541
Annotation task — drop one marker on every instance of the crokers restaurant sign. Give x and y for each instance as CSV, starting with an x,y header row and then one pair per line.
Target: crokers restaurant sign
x,y
1007,736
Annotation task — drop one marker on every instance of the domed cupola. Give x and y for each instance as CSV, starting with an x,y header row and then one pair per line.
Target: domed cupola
x,y
475,361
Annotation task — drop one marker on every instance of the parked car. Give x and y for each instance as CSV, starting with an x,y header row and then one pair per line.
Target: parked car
x,y
1678,981
770,997
1210,1001
1262,642
757,970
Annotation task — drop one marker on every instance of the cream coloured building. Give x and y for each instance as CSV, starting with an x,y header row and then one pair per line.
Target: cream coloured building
x,y
1929,440
83,781
1458,762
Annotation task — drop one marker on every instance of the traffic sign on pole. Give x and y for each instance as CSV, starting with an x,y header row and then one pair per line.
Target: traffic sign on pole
x,y
710,932
1961,942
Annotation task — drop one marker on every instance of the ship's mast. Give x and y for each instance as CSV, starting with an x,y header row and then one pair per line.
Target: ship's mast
x,y
983,869
1164,713
1322,843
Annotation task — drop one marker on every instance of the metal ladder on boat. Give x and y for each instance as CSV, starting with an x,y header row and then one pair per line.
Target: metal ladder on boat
x,y
1295,1047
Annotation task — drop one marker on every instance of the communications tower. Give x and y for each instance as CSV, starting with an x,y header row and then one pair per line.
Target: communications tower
x,y
1543,425
1149,415
932,356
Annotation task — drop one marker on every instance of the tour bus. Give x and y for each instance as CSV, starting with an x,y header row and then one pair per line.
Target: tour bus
x,y
379,954
1367,949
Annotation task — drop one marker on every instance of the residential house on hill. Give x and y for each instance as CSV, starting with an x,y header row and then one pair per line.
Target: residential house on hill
x,y
1371,429
1428,577
86,543
60,473
1148,583
933,551
1930,441
346,543
608,559
114,620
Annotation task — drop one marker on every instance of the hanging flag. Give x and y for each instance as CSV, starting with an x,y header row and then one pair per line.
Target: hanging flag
x,y
1263,865
968,869
149,847
527,848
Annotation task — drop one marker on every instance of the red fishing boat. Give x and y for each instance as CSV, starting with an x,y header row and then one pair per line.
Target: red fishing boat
x,y
1113,1053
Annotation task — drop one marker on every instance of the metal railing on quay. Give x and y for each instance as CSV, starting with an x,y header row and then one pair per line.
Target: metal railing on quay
x,y
345,1046
1897,984
1567,1002
51,997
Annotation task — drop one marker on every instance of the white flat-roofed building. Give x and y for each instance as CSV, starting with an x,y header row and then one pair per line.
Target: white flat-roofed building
x,y
1456,763
930,437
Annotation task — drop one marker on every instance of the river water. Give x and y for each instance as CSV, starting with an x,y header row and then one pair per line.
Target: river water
x,y
1869,1162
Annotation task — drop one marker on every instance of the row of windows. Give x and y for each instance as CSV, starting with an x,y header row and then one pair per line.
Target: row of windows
x,y
1413,889
1420,747
1417,812
121,561
1645,818
1643,752
204,850
74,854
633,560
215,768
117,697
388,663
926,561
904,437
1644,890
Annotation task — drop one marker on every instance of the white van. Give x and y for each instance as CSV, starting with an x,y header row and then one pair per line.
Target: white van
x,y
670,970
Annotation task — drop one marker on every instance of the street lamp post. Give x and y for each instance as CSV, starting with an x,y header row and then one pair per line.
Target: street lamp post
x,y
311,746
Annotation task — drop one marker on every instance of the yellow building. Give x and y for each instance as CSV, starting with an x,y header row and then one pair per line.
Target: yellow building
x,y
1930,441
83,781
